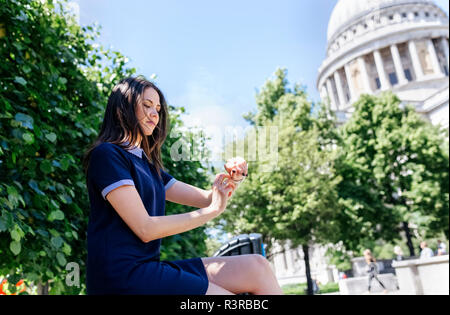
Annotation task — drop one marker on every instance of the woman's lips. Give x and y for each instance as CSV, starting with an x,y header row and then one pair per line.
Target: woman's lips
x,y
151,123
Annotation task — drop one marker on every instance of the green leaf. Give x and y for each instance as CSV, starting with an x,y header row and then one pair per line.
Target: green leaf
x,y
32,183
51,136
56,215
28,137
13,196
15,235
46,167
54,203
43,233
57,241
26,69
15,247
3,227
32,276
25,120
67,249
65,162
62,80
54,232
20,80
61,259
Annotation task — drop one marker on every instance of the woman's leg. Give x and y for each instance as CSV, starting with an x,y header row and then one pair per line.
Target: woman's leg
x,y
214,289
370,282
242,274
381,283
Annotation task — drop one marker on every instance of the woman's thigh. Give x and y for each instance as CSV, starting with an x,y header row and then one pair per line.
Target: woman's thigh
x,y
238,274
214,289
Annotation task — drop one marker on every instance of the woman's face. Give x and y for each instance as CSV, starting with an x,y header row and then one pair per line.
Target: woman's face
x,y
148,111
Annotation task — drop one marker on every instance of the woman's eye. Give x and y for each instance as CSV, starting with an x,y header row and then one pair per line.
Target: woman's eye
x,y
158,108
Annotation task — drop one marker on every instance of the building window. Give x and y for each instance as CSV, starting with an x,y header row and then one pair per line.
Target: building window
x,y
393,78
427,14
391,17
408,75
404,14
416,14
378,83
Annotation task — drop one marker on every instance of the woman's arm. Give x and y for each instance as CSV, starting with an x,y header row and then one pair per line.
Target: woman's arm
x,y
128,204
188,195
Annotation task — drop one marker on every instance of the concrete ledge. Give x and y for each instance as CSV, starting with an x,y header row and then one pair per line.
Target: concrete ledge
x,y
427,276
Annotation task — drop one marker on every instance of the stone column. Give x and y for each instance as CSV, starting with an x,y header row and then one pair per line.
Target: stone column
x,y
444,43
290,261
351,87
331,95
323,93
398,65
365,76
340,90
434,58
380,69
415,60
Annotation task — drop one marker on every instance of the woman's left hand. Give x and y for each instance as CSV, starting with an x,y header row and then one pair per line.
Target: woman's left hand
x,y
238,170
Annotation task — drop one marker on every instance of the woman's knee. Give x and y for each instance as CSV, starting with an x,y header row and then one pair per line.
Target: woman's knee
x,y
260,263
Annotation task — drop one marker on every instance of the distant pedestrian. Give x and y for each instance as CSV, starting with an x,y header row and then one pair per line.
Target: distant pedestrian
x,y
441,248
398,253
426,251
315,285
372,270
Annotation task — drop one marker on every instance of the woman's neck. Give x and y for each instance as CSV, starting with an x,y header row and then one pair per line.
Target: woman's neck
x,y
137,143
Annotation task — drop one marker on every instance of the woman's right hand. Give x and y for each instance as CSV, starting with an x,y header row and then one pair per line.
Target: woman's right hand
x,y
220,192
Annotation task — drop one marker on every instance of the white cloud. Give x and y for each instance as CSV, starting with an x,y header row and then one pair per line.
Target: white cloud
x,y
207,109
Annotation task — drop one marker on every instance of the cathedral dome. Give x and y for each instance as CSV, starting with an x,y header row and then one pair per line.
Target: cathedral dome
x,y
347,11
379,45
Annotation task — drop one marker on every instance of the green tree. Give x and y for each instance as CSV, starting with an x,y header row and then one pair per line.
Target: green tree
x,y
51,101
290,194
394,167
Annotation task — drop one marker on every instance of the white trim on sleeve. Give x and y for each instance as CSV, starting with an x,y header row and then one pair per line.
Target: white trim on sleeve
x,y
115,185
170,183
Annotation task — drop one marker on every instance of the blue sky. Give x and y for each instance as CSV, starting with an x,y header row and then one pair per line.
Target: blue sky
x,y
211,56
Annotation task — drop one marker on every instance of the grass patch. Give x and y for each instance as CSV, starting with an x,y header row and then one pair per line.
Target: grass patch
x,y
300,288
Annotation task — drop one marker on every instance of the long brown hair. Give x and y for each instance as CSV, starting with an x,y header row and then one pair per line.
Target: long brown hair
x,y
120,121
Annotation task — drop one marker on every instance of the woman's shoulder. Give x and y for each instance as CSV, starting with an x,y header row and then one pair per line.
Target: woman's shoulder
x,y
108,149
107,146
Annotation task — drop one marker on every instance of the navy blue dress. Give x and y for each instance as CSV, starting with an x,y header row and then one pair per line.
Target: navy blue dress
x,y
118,262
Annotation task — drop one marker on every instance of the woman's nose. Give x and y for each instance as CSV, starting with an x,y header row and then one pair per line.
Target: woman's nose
x,y
152,111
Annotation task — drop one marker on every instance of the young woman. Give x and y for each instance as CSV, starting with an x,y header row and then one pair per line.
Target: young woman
x,y
128,189
372,269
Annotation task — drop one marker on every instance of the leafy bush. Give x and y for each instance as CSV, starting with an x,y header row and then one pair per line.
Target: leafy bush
x,y
55,81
